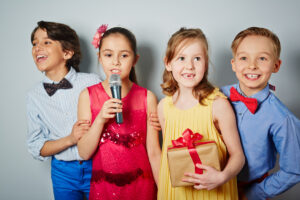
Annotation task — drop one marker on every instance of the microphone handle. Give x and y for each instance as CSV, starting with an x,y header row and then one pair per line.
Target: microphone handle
x,y
116,93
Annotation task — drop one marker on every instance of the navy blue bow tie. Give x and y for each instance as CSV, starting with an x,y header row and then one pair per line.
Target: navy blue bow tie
x,y
51,88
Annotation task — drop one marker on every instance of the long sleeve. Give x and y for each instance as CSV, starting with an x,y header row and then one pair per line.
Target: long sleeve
x,y
37,131
286,138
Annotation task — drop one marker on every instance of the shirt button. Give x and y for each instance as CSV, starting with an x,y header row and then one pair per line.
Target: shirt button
x,y
240,113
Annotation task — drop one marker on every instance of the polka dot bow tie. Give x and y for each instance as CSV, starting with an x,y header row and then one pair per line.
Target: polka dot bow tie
x,y
251,103
51,88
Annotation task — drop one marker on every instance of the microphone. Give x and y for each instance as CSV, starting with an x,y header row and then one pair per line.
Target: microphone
x,y
115,87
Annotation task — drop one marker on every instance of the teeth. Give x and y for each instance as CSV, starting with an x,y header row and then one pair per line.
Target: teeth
x,y
115,71
40,56
252,75
188,75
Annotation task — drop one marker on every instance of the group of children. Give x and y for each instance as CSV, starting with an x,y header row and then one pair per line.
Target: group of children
x,y
71,118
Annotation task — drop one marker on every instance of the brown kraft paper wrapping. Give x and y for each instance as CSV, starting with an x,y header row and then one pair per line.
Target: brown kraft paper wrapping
x,y
180,161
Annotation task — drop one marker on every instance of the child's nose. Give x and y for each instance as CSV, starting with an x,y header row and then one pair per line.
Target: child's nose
x,y
189,65
38,47
252,65
116,60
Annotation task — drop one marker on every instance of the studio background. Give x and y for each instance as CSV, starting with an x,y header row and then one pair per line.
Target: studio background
x,y
153,22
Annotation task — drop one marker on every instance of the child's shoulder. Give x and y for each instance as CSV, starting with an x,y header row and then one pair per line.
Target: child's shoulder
x,y
226,89
35,89
83,75
279,109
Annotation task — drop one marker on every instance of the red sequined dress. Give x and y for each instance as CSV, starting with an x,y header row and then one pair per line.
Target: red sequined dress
x,y
121,168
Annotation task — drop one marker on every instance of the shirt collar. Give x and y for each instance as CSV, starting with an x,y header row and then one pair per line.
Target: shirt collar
x,y
260,96
69,76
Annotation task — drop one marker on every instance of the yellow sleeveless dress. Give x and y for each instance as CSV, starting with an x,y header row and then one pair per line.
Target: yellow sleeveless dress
x,y
198,119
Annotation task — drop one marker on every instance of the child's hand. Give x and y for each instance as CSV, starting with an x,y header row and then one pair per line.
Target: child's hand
x,y
109,109
210,179
79,128
154,122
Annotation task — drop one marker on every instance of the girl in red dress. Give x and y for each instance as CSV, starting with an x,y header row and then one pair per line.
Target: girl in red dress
x,y
126,156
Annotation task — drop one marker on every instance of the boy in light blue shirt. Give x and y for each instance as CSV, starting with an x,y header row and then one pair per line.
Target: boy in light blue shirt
x,y
53,129
266,126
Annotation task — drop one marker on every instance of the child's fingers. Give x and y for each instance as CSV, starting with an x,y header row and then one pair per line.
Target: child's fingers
x,y
155,125
81,122
204,167
200,187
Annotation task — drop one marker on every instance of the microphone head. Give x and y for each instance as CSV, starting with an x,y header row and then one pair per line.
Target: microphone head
x,y
114,80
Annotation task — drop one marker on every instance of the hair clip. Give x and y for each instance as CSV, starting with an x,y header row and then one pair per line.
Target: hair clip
x,y
98,35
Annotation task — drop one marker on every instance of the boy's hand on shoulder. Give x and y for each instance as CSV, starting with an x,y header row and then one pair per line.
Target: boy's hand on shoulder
x,y
79,128
154,121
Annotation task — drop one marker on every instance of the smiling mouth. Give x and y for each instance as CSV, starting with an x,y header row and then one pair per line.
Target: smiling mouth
x,y
252,76
115,71
188,75
40,58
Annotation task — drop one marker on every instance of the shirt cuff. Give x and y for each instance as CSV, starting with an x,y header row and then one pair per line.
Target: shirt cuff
x,y
35,150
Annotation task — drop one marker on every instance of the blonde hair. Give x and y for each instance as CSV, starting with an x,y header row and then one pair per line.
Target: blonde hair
x,y
257,31
178,40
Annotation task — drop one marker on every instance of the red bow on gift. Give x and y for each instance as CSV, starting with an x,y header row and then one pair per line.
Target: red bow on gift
x,y
188,140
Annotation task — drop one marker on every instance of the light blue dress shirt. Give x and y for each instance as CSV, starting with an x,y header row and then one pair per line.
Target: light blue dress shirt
x,y
273,128
53,117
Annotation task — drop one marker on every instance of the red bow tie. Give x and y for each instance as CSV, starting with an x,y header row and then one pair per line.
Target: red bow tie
x,y
251,103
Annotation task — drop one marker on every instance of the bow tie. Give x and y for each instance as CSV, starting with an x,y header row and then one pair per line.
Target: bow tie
x,y
51,88
251,103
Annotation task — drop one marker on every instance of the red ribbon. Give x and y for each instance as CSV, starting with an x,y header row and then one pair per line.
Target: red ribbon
x,y
188,140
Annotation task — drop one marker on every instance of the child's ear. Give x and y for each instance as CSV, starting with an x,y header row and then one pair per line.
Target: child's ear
x,y
167,65
68,54
232,64
277,66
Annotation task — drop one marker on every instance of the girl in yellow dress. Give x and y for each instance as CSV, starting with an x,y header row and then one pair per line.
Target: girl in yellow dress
x,y
192,102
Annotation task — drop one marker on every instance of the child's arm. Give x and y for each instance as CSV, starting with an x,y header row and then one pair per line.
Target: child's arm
x,y
88,143
38,142
160,113
152,143
154,121
225,121
53,147
286,137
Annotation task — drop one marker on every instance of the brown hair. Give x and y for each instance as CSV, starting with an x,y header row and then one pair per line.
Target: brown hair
x,y
178,40
131,38
257,31
66,36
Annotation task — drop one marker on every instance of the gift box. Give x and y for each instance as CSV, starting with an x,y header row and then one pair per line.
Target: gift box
x,y
186,152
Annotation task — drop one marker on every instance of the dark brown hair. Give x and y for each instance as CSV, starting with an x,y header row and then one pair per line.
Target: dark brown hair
x,y
131,38
177,41
257,31
66,36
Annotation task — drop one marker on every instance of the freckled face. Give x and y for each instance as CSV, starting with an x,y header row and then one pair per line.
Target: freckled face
x,y
254,62
189,64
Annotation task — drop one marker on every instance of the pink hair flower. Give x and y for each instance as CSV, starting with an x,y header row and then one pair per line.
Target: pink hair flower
x,y
98,35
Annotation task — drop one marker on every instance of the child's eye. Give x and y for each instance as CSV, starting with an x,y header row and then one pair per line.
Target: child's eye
x,y
197,58
124,55
107,55
181,58
34,44
262,58
243,58
47,42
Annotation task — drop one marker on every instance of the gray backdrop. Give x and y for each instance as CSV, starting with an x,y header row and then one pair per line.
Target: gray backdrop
x,y
153,22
